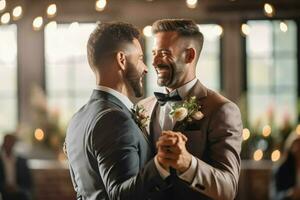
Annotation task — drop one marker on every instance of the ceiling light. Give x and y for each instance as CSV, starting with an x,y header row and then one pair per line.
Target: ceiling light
x,y
5,18
17,12
51,10
191,3
100,5
37,23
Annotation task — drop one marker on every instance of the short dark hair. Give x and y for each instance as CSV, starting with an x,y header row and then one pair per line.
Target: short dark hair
x,y
184,27
107,38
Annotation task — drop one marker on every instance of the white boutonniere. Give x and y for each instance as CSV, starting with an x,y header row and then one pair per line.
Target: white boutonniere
x,y
140,117
187,112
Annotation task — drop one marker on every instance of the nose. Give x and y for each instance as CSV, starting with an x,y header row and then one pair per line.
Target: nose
x,y
145,68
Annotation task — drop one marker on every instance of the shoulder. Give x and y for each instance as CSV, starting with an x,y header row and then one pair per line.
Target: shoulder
x,y
148,104
147,101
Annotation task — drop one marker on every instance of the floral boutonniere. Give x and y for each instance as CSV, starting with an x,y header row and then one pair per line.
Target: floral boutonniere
x,y
187,112
140,117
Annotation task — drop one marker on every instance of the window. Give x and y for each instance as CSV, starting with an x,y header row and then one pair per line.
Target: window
x,y
272,71
208,67
69,79
8,78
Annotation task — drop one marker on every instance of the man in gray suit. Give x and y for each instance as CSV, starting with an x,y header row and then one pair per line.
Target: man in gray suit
x,y
202,151
109,155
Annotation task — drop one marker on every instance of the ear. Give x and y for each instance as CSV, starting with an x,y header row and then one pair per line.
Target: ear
x,y
121,59
190,55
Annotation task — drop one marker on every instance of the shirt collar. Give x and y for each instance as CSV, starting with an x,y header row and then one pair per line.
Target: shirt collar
x,y
124,99
183,91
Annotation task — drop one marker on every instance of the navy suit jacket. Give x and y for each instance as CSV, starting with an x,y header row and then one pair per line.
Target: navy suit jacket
x,y
109,156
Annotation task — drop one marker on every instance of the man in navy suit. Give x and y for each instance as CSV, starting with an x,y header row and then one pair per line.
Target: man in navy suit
x,y
110,156
15,177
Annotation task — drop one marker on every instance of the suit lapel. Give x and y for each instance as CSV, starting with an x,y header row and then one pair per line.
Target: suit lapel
x,y
105,96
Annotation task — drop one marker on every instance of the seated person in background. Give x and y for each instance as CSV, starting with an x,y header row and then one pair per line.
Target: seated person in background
x,y
15,179
285,183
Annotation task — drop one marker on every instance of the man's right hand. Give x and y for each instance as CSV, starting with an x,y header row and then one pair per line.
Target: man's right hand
x,y
172,151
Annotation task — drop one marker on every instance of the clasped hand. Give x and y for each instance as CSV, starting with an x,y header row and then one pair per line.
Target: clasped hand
x,y
172,151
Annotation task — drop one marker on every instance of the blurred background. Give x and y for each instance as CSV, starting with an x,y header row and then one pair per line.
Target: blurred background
x,y
250,54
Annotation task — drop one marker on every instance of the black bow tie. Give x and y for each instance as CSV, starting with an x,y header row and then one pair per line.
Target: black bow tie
x,y
164,98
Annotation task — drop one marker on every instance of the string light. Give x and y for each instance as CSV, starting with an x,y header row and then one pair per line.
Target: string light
x,y
39,134
2,5
266,131
258,154
5,18
283,27
275,155
100,5
147,31
51,10
246,134
245,28
37,23
269,10
218,30
17,12
191,3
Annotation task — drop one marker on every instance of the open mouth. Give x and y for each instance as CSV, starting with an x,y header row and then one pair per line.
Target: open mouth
x,y
162,70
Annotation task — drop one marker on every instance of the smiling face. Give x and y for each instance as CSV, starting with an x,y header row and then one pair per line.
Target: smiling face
x,y
169,60
135,68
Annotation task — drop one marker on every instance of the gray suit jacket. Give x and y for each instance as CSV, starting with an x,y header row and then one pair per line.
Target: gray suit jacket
x,y
109,156
215,141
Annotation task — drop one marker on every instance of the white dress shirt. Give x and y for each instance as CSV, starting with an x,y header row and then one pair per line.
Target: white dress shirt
x,y
167,123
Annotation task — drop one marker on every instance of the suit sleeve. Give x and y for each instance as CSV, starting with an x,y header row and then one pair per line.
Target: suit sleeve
x,y
218,175
116,148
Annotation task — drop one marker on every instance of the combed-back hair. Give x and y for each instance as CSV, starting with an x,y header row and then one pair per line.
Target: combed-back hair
x,y
107,39
184,27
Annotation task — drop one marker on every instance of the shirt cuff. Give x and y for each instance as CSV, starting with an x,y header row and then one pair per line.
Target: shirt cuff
x,y
189,174
162,172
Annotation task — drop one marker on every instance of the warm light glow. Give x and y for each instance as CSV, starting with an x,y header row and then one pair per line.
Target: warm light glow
x,y
37,23
246,134
147,31
52,25
191,3
73,26
39,134
275,155
51,10
283,27
245,29
298,129
218,30
5,18
269,10
100,5
17,12
2,5
258,154
267,130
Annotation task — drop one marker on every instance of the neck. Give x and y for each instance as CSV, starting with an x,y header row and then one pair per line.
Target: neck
x,y
116,83
180,84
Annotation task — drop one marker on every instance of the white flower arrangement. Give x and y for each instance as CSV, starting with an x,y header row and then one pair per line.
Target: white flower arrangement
x,y
186,112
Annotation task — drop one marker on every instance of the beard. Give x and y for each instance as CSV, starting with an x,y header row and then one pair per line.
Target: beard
x,y
134,79
169,74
